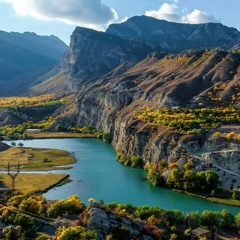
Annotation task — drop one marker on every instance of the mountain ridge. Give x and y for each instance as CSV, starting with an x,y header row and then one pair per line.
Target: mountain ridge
x,y
95,54
24,58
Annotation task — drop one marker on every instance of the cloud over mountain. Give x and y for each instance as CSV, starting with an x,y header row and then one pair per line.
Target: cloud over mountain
x,y
90,13
170,13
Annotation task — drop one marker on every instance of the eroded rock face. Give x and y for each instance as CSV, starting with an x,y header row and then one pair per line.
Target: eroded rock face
x,y
92,53
109,103
105,221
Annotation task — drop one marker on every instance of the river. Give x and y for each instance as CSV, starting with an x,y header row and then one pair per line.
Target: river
x,y
97,174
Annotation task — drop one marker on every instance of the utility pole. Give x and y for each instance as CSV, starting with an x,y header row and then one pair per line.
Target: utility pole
x,y
13,175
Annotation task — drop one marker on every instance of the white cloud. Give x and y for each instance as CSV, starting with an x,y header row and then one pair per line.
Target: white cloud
x,y
166,12
89,13
170,13
199,17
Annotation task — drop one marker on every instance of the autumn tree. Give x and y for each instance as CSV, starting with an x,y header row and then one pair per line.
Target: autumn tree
x,y
230,135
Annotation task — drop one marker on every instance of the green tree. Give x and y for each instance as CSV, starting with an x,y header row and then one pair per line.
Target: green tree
x,y
228,219
237,220
33,204
194,219
208,180
75,233
23,220
13,232
72,205
211,220
234,195
175,179
20,144
190,179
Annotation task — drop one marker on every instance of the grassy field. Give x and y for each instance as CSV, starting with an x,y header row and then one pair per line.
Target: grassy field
x,y
29,183
35,158
31,159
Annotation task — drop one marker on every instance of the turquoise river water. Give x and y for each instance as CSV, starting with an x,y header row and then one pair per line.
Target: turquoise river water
x,y
97,174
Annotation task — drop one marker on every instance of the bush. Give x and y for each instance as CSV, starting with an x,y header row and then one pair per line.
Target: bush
x,y
72,233
72,205
230,135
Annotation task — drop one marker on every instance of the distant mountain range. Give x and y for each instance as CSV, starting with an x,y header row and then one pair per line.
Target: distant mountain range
x,y
93,54
25,57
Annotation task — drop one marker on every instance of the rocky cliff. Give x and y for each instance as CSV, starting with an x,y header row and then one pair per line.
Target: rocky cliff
x,y
160,80
113,77
94,54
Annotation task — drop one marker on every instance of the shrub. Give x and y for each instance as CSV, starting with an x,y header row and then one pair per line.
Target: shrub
x,y
78,232
216,134
230,135
72,205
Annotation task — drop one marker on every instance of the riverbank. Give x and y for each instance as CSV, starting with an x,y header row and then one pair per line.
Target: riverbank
x,y
224,198
96,166
17,160
32,159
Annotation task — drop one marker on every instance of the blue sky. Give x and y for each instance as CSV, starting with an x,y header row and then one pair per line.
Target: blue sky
x,y
60,17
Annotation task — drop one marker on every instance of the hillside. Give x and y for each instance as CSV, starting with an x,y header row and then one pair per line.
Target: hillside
x,y
124,80
24,58
175,37
95,54
192,80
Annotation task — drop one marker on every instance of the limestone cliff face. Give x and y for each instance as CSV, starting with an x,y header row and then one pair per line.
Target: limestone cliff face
x,y
94,53
109,103
112,78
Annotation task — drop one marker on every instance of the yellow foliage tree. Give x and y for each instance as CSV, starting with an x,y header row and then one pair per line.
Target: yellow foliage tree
x,y
216,134
230,135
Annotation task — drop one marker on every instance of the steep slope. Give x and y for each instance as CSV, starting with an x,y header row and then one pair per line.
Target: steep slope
x,y
162,80
94,54
109,103
24,57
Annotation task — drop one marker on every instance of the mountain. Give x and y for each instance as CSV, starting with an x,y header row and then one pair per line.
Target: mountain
x,y
24,58
149,63
175,37
93,54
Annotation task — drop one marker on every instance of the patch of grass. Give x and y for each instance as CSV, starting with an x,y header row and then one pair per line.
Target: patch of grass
x,y
224,197
232,202
35,158
29,183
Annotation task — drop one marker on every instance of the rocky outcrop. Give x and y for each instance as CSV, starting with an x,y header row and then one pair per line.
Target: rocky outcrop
x,y
98,217
94,53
